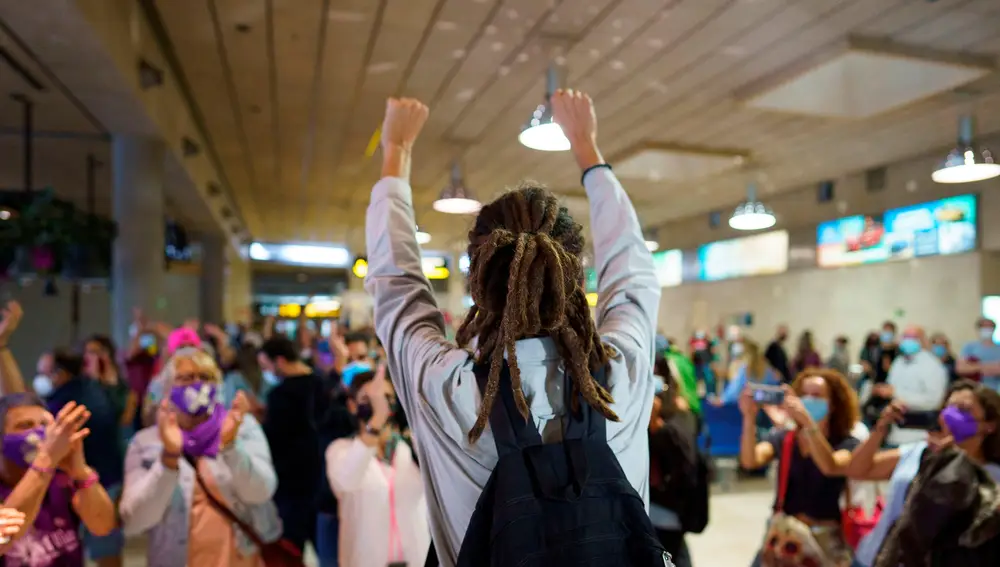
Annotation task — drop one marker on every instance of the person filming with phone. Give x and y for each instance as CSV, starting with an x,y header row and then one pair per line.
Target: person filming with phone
x,y
812,460
968,423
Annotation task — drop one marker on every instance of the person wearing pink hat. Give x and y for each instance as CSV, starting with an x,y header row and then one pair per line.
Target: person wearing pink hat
x,y
182,337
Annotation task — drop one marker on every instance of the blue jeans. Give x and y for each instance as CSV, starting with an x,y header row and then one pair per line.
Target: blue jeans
x,y
111,545
327,534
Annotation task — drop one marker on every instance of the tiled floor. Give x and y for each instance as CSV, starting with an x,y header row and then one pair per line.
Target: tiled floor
x,y
731,540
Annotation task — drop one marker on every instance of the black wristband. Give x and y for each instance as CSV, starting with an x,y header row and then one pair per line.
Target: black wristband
x,y
592,168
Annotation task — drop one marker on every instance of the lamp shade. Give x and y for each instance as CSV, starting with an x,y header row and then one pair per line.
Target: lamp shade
x,y
541,132
752,214
456,199
967,162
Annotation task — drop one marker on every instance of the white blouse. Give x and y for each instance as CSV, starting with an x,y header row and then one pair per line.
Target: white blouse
x,y
382,509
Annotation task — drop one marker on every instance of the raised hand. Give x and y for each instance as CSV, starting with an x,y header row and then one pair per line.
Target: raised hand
x,y
10,318
795,409
234,418
170,432
378,391
748,405
64,431
404,119
75,464
574,112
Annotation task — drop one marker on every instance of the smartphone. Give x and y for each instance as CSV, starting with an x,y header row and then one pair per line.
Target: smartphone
x,y
925,420
147,341
767,395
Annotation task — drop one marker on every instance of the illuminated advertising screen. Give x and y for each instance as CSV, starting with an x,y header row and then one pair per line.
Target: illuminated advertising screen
x,y
669,267
947,226
741,257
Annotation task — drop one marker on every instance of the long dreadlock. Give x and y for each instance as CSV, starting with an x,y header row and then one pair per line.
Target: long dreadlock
x,y
525,273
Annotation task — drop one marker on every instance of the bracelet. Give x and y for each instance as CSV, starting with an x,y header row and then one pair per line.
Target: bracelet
x,y
42,470
592,168
86,483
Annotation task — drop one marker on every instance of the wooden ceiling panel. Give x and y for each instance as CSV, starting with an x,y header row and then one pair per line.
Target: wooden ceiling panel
x,y
663,70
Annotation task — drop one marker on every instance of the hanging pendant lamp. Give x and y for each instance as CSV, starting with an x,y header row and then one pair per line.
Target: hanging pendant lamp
x,y
456,199
752,214
541,132
966,163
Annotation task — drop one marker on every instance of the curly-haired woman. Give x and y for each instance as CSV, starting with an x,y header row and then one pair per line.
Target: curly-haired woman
x,y
824,408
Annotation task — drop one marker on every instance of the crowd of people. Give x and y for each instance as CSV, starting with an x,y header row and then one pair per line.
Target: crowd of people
x,y
542,435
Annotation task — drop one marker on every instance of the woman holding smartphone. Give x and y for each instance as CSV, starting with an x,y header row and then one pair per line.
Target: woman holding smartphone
x,y
969,421
812,460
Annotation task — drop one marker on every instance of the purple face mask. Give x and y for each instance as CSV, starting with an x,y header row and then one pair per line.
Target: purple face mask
x,y
20,448
962,425
195,399
203,440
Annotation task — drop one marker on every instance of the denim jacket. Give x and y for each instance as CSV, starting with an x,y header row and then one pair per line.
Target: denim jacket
x,y
157,500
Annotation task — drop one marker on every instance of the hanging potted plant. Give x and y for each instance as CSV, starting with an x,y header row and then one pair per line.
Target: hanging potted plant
x,y
37,232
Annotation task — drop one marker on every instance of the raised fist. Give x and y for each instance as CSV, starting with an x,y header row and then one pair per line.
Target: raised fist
x,y
404,118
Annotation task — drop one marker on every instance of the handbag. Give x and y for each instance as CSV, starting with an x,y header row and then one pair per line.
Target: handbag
x,y
281,553
789,541
855,522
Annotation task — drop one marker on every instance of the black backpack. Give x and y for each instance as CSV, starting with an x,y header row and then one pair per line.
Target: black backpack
x,y
559,504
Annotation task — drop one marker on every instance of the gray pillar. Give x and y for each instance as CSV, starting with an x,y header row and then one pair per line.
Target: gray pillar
x,y
138,267
213,278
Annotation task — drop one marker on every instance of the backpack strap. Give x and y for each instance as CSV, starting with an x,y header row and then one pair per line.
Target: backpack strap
x,y
512,433
784,468
587,423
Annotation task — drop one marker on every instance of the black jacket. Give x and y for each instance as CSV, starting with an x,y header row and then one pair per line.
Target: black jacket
x,y
950,518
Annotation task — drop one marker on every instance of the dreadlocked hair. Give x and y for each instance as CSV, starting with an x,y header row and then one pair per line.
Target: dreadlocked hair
x,y
525,278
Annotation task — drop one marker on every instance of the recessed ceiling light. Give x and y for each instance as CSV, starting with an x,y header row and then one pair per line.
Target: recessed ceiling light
x,y
444,25
617,65
522,57
384,67
560,60
490,30
616,40
512,14
345,16
594,53
465,94
458,53
655,43
617,24
497,46
503,70
735,51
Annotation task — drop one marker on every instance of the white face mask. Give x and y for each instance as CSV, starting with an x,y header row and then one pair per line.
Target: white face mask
x,y
42,385
737,349
986,333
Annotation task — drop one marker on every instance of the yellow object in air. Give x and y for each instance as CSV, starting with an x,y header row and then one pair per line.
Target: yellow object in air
x,y
373,145
592,299
360,268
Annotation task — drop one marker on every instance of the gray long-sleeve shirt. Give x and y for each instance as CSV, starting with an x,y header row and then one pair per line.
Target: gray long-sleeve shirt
x,y
434,379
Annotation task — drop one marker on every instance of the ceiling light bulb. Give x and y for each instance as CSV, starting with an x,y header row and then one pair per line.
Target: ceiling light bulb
x,y
455,198
966,163
652,245
752,215
541,132
457,206
423,237
544,136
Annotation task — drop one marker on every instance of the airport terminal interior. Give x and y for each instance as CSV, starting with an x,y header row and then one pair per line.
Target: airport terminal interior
x,y
221,233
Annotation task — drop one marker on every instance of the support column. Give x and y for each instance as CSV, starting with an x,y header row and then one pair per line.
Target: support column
x,y
213,278
238,299
138,271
